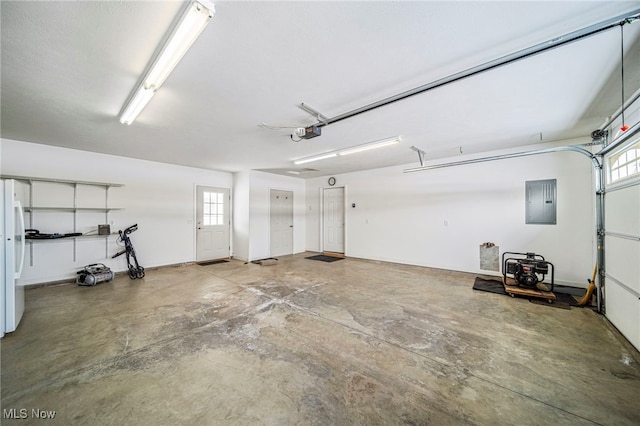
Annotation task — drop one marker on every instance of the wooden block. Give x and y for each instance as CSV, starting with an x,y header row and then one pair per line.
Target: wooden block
x,y
333,254
513,289
529,292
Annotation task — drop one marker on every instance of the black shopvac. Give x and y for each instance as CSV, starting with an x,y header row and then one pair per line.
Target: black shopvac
x,y
135,270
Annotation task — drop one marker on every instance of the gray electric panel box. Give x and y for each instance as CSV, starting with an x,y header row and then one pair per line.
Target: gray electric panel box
x,y
541,199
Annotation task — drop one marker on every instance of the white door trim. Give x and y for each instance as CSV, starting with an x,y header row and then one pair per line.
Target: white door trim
x,y
194,224
293,217
344,217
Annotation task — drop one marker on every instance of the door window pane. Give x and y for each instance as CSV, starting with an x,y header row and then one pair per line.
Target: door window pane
x,y
625,164
213,208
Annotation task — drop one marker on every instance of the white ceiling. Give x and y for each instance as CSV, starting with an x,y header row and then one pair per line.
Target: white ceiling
x,y
68,67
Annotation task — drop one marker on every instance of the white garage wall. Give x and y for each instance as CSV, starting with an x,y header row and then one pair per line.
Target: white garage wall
x,y
439,218
241,189
159,197
398,217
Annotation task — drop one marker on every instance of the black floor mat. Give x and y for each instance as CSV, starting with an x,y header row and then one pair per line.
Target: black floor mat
x,y
324,258
213,262
575,291
562,301
492,286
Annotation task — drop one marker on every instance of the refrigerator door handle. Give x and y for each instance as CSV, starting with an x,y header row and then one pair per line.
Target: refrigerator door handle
x,y
23,242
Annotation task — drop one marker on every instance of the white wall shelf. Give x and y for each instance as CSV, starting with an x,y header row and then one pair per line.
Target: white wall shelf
x,y
56,191
84,236
72,182
72,209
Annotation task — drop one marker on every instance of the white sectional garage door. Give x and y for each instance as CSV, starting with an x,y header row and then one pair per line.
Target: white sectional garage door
x,y
622,252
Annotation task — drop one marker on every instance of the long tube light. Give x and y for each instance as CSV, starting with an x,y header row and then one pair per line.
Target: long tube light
x,y
352,150
192,23
368,146
315,158
136,104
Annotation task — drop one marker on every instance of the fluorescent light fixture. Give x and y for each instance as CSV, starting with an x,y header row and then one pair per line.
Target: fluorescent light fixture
x,y
316,158
192,23
368,146
136,104
352,150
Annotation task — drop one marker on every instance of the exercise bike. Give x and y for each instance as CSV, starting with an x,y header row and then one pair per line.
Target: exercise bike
x,y
135,270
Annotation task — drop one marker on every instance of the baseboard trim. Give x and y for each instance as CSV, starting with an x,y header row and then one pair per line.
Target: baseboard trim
x,y
68,281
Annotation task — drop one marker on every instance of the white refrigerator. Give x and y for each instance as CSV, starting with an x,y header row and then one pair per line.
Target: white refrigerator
x,y
12,255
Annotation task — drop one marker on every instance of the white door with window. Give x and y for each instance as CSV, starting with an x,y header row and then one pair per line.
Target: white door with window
x,y
281,222
333,220
212,223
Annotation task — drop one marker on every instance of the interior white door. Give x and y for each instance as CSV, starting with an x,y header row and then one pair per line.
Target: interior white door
x,y
212,223
281,222
333,220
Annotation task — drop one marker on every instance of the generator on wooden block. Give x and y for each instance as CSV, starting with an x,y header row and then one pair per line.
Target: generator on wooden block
x,y
527,270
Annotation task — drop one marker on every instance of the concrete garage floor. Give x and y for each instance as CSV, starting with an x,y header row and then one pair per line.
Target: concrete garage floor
x,y
305,342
